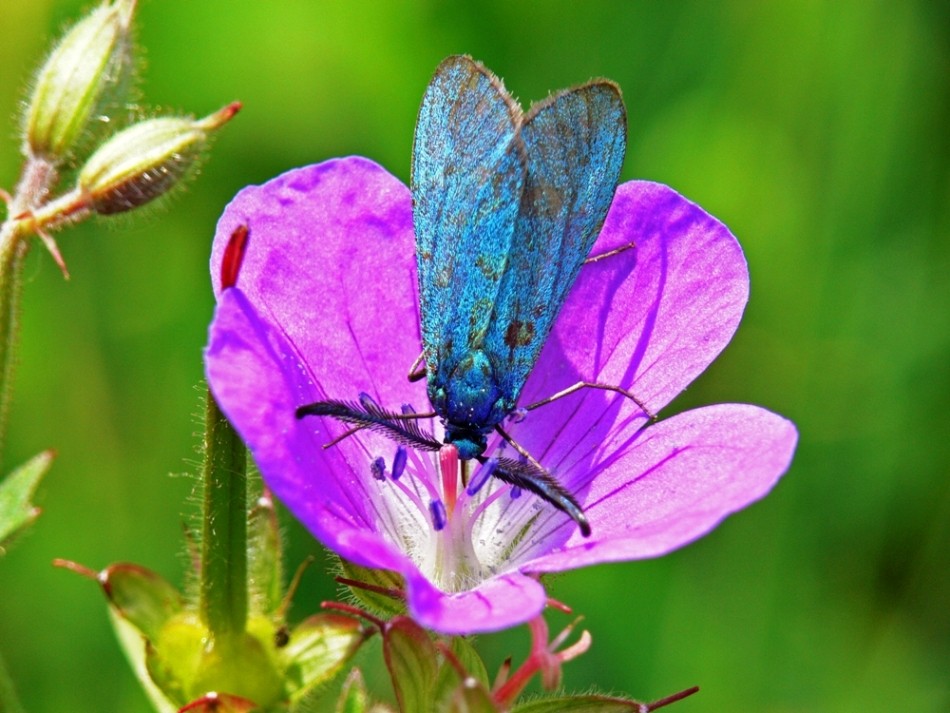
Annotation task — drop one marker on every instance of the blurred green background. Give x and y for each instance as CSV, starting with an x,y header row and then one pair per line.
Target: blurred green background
x,y
817,131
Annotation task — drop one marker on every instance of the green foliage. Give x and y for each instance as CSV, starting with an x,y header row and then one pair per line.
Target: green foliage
x,y
816,131
16,493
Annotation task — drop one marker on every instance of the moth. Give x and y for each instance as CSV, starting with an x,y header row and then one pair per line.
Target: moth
x,y
506,207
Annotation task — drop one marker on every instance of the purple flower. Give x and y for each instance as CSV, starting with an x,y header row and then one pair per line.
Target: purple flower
x,y
326,307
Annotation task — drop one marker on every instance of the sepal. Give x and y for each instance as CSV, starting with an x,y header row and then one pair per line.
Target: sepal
x,y
16,493
379,590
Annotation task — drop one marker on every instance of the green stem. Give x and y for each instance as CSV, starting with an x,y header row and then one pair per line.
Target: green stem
x,y
9,703
38,176
223,593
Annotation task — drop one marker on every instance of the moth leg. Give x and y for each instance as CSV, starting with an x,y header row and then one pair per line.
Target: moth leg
x,y
592,385
609,253
343,436
417,371
518,447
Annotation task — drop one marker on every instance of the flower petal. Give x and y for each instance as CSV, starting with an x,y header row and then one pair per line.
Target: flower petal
x,y
648,319
331,260
258,381
679,479
324,308
495,604
256,377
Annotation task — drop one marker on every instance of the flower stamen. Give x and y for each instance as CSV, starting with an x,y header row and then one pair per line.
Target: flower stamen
x,y
439,516
399,462
481,476
378,468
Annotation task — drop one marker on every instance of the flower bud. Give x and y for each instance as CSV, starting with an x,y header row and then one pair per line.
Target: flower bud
x,y
92,57
145,160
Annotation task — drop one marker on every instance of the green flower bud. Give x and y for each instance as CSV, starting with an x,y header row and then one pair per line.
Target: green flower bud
x,y
92,56
145,160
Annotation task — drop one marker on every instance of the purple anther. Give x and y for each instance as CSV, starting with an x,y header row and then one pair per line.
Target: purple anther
x,y
481,476
399,462
515,492
439,517
407,409
368,402
378,468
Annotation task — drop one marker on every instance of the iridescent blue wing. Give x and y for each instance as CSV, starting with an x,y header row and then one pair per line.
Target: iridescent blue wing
x,y
575,142
468,169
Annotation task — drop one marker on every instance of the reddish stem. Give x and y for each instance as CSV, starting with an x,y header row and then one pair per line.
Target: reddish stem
x,y
672,699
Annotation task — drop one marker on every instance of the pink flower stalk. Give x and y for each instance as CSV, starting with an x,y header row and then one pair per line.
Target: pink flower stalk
x,y
326,307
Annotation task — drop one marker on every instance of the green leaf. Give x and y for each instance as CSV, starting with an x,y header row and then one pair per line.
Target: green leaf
x,y
134,646
264,558
467,655
318,649
452,684
592,703
472,697
141,597
582,704
16,491
353,697
413,662
376,602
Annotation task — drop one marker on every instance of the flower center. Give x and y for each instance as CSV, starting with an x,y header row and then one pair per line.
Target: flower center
x,y
454,520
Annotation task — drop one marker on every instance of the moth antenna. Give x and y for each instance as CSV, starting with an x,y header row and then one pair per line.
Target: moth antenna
x,y
402,428
538,481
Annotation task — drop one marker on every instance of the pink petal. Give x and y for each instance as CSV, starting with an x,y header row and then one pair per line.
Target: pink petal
x,y
257,379
324,308
495,604
679,479
649,319
331,259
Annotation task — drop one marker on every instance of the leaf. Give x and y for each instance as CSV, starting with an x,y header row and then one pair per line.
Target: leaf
x,y
469,658
16,491
582,704
134,646
264,557
413,663
317,649
472,697
141,597
378,602
353,697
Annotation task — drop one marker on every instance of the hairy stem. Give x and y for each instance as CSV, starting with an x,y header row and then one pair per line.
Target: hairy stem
x,y
223,594
38,176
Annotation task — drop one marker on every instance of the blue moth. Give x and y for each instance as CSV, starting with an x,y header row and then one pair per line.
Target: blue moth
x,y
506,207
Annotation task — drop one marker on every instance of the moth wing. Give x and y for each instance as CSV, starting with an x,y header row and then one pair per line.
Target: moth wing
x,y
575,142
468,171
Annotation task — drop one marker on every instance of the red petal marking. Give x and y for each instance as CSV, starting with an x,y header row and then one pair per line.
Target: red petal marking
x,y
234,256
